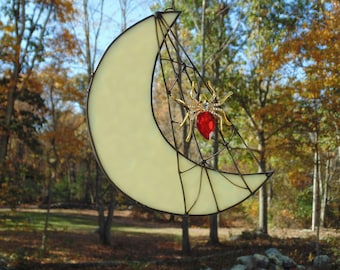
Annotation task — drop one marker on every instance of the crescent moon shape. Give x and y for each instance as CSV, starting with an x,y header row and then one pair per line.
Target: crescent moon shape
x,y
128,144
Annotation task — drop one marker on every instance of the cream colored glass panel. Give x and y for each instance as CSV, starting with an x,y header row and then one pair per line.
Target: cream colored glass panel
x,y
128,144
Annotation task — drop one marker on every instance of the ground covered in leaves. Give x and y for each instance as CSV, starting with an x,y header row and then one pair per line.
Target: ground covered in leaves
x,y
145,244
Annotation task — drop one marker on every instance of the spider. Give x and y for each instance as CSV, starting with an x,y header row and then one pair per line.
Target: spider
x,y
205,111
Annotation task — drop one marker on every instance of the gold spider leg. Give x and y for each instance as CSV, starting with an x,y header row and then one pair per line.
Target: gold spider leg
x,y
221,110
212,91
190,115
222,116
226,120
179,101
219,104
225,98
191,123
200,97
193,87
184,119
187,115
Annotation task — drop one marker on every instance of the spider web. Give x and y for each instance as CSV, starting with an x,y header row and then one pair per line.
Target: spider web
x,y
226,151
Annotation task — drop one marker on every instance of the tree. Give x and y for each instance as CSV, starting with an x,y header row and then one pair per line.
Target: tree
x,y
57,91
322,86
16,170
314,50
305,59
220,46
91,33
92,23
25,27
260,94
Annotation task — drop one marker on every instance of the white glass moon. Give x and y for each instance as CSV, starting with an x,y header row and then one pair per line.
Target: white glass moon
x,y
128,144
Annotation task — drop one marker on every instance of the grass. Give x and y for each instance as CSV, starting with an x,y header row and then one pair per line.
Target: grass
x,y
35,221
84,224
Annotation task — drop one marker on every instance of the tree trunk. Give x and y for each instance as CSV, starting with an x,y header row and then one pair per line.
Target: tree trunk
x,y
47,215
213,219
5,130
316,192
328,176
100,204
88,189
263,213
263,197
4,140
324,204
104,223
186,249
109,218
270,193
213,234
53,162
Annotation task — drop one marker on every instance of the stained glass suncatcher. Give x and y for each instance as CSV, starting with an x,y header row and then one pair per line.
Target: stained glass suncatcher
x,y
144,156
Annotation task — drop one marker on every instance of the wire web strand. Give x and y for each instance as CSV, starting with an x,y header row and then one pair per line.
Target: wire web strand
x,y
176,73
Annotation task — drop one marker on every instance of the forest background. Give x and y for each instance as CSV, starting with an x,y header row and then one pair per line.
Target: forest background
x,y
281,59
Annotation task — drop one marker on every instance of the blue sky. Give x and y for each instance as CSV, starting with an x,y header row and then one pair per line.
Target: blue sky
x,y
112,23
